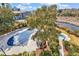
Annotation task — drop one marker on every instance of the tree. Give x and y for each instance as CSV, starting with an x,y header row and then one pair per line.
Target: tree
x,y
6,19
68,12
44,20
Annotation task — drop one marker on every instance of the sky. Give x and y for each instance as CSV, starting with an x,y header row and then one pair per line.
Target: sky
x,y
67,5
28,6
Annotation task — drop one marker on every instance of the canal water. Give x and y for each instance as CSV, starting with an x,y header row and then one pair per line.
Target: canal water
x,y
68,25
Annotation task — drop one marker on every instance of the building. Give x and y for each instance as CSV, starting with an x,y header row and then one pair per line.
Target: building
x,y
19,14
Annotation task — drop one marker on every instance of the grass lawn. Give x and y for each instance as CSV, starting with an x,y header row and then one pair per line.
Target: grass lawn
x,y
74,39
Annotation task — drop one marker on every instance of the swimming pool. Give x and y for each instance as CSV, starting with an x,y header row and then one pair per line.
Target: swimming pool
x,y
20,38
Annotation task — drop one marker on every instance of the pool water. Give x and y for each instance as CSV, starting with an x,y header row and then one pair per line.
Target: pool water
x,y
19,38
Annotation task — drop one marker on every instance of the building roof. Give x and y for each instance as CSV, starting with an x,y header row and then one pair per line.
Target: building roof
x,y
19,11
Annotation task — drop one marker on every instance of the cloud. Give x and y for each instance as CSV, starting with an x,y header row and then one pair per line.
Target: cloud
x,y
30,7
25,6
22,7
28,3
63,6
51,3
48,4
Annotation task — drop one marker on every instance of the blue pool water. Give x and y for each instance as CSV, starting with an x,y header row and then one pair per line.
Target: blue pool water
x,y
23,37
19,38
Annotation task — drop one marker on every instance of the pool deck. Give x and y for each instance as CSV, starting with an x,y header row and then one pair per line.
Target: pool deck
x,y
31,46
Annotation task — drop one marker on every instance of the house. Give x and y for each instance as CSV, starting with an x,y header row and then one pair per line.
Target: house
x,y
19,14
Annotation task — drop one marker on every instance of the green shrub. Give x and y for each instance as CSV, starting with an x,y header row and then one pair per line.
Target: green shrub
x,y
46,53
73,50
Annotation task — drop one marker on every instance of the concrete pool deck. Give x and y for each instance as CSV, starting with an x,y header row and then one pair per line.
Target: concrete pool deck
x,y
31,46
